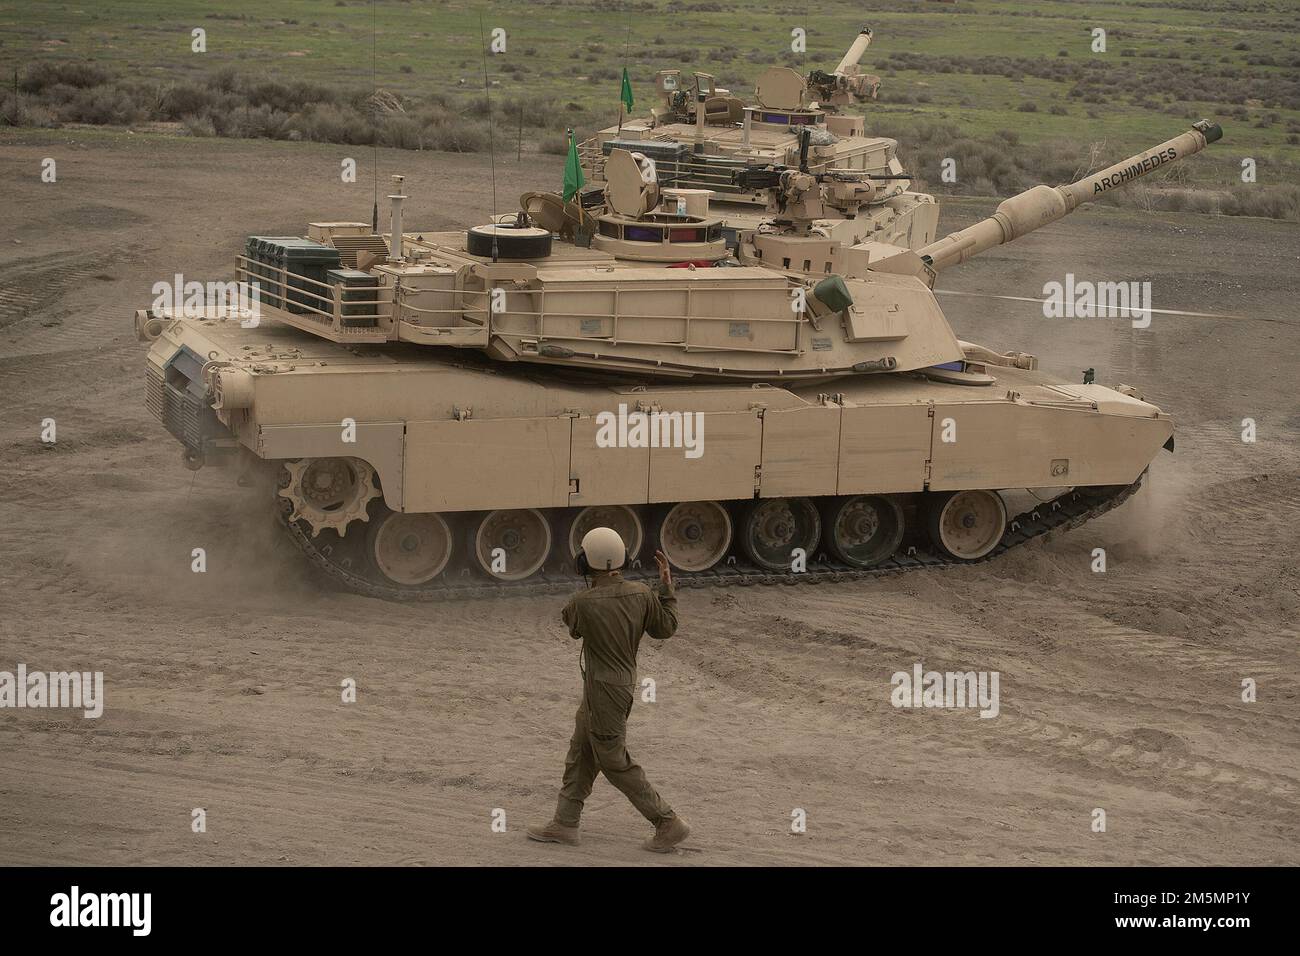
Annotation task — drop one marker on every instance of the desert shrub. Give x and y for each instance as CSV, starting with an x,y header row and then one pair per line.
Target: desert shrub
x,y
434,115
199,126
400,131
1270,202
1186,200
21,111
46,73
458,136
332,123
189,99
292,95
225,79
253,122
538,112
980,186
1199,202
101,106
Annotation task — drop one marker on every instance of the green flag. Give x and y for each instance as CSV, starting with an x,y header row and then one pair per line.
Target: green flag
x,y
626,93
573,178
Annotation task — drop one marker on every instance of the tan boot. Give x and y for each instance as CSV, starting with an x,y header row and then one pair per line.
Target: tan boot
x,y
668,834
554,832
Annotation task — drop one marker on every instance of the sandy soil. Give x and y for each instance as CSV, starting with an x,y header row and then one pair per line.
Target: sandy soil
x,y
1119,690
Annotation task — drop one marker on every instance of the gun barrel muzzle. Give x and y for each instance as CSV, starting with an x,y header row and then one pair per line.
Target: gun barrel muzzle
x,y
1036,207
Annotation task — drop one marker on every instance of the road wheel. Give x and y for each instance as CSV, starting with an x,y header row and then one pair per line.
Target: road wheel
x,y
409,550
695,535
771,529
966,525
863,530
515,543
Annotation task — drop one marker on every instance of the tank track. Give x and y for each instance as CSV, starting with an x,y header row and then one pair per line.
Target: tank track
x,y
1062,513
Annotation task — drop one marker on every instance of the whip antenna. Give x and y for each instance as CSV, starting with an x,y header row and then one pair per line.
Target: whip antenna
x,y
492,157
374,92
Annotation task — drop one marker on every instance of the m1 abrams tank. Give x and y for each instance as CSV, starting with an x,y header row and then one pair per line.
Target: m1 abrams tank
x,y
452,416
700,136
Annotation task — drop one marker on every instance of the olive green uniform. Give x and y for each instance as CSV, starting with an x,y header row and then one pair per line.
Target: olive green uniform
x,y
610,619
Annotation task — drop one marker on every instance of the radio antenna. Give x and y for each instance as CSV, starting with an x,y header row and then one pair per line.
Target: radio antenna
x,y
374,92
492,157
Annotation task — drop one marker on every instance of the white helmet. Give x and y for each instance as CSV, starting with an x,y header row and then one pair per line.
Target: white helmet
x,y
603,549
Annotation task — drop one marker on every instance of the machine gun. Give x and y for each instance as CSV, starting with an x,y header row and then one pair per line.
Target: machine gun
x,y
796,194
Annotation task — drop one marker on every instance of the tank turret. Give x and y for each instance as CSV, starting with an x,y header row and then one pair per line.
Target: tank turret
x,y
792,304
699,135
798,236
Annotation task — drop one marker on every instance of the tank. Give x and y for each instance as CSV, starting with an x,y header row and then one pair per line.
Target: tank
x,y
700,135
453,426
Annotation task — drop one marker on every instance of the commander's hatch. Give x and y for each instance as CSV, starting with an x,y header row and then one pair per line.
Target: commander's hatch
x,y
631,187
781,88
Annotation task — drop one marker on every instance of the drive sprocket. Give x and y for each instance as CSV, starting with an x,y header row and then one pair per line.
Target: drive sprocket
x,y
328,492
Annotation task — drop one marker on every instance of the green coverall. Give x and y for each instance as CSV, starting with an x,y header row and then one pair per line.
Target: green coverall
x,y
610,618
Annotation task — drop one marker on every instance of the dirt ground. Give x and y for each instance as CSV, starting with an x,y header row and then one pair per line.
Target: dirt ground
x,y
1119,691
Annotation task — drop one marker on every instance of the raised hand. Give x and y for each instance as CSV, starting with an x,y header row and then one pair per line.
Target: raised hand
x,y
665,571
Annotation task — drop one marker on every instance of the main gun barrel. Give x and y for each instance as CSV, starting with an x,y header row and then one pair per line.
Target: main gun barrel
x,y
1036,207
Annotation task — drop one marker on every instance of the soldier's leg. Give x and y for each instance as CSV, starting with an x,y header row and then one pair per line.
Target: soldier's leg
x,y
608,707
580,770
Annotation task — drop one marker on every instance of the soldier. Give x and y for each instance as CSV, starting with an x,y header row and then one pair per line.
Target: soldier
x,y
609,618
